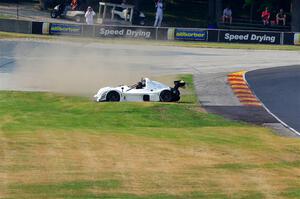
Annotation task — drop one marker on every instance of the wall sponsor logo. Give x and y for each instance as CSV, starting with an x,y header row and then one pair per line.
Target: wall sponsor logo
x,y
250,37
191,34
65,29
137,33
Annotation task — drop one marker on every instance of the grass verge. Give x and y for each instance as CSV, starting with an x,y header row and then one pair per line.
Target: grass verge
x,y
6,35
2,16
55,146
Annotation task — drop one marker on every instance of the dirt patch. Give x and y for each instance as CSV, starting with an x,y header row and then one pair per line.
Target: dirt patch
x,y
6,119
71,70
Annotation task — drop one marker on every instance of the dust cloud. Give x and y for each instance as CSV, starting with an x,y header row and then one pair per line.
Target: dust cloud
x,y
75,69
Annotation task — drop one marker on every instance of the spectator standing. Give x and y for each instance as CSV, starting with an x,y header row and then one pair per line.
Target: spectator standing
x,y
281,16
125,10
227,15
265,15
89,16
159,13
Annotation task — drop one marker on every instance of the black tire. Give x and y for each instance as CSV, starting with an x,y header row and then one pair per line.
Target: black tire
x,y
53,14
175,95
78,19
113,96
166,96
142,23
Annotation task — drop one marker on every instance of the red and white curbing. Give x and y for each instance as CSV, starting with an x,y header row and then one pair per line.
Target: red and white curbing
x,y
241,89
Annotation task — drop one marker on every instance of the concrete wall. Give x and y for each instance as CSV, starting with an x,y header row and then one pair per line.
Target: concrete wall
x,y
136,32
10,25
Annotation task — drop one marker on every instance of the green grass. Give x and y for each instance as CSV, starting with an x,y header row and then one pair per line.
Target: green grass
x,y
81,192
78,187
56,146
6,35
36,111
30,111
292,193
5,16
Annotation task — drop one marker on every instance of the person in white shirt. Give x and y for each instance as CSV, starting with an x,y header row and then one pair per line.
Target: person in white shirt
x,y
89,16
227,15
159,13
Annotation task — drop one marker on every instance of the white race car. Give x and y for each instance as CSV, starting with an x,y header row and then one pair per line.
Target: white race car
x,y
144,90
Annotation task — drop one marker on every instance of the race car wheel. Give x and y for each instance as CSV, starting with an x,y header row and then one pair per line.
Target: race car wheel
x,y
175,95
165,96
113,96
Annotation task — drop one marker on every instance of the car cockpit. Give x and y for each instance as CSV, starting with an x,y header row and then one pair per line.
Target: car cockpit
x,y
141,84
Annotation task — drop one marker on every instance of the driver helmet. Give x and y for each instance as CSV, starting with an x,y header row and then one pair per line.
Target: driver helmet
x,y
143,81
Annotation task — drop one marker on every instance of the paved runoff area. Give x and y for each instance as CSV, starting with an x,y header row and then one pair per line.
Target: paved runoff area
x,y
62,66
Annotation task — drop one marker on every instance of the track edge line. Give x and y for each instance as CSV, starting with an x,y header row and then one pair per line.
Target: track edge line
x,y
265,107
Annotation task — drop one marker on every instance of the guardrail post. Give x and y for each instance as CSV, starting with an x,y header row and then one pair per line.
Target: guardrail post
x,y
281,38
18,10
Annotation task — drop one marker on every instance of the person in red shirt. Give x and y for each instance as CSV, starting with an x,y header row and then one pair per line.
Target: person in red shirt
x,y
74,4
265,15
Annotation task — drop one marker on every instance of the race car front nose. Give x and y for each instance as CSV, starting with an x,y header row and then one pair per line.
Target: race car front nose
x,y
96,98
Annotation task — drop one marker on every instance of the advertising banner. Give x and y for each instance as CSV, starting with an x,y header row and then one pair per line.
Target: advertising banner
x,y
65,29
125,32
190,34
297,39
249,37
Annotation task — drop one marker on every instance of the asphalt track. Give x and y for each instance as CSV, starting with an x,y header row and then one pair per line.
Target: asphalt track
x,y
28,64
279,90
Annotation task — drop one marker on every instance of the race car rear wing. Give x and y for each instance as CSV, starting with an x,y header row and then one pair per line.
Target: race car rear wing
x,y
178,84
